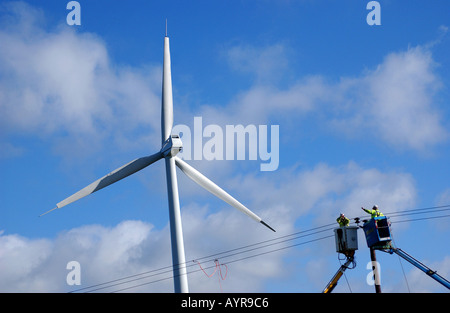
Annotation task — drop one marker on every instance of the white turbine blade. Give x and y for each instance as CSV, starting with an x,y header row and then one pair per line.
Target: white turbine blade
x,y
206,183
167,98
114,176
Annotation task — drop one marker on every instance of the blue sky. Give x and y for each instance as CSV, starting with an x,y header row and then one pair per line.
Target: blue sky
x,y
362,111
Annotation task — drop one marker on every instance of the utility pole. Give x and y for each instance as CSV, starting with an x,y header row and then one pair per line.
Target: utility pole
x,y
376,274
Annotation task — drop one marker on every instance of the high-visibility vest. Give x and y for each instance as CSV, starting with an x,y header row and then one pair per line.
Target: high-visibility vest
x,y
343,222
374,213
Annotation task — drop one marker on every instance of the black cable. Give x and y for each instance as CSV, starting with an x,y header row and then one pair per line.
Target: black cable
x,y
250,248
350,268
253,247
427,210
421,219
267,252
226,263
211,257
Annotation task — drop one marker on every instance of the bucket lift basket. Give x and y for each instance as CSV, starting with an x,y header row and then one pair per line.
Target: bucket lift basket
x,y
346,239
378,233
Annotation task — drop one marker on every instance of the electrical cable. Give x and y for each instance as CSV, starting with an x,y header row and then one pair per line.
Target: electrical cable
x,y
224,254
134,278
401,264
345,275
421,219
226,263
427,210
169,268
232,261
250,248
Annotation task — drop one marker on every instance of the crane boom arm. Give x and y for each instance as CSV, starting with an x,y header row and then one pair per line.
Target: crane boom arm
x,y
333,282
422,267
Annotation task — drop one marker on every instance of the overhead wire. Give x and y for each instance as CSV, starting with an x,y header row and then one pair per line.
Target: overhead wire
x,y
421,219
226,263
427,210
169,268
401,264
345,275
223,255
293,236
246,249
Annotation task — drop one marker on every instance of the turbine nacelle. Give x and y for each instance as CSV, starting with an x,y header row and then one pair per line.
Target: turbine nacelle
x,y
172,146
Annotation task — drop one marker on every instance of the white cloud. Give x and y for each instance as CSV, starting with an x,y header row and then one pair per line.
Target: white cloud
x,y
400,98
62,82
325,191
39,265
21,259
395,103
133,247
444,197
267,64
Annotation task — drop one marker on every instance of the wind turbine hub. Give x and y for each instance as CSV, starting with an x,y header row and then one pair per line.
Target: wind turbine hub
x,y
172,146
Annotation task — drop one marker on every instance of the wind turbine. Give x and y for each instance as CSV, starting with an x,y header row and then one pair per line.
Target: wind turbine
x,y
171,145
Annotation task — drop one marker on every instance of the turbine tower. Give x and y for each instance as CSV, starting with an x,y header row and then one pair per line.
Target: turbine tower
x,y
171,145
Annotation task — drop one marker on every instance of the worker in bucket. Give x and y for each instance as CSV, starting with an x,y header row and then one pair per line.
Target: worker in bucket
x,y
342,220
375,212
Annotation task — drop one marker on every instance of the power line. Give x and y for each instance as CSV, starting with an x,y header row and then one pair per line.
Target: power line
x,y
423,209
116,282
421,219
401,265
229,262
427,210
250,248
224,255
266,252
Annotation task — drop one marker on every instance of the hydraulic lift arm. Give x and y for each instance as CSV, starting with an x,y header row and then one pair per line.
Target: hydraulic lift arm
x,y
333,282
421,266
